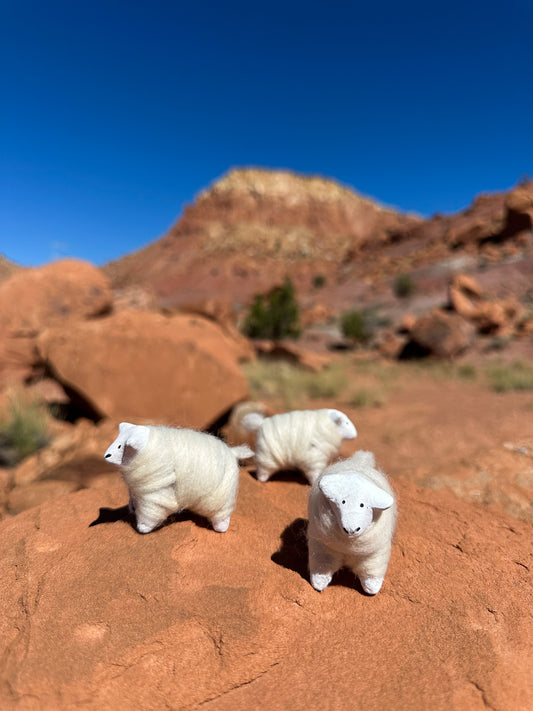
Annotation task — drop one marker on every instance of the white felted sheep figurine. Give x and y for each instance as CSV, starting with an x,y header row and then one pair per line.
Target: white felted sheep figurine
x,y
352,514
168,469
303,439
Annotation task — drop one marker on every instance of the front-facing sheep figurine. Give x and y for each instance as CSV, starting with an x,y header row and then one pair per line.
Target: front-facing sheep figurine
x,y
302,439
352,515
169,469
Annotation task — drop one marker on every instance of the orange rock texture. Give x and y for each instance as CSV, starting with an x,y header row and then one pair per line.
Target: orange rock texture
x,y
140,365
98,616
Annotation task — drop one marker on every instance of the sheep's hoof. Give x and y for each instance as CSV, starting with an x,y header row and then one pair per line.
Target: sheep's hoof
x,y
221,526
371,585
320,581
144,527
262,476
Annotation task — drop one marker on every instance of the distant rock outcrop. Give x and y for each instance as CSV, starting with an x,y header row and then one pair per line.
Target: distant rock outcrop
x,y
98,616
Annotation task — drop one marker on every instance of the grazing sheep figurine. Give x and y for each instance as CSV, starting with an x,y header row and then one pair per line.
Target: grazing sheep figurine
x,y
303,439
168,469
352,514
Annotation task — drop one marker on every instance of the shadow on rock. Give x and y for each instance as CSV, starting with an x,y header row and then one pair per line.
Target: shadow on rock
x,y
293,552
285,475
108,515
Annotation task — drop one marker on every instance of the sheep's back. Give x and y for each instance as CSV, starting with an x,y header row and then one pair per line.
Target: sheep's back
x,y
292,439
201,467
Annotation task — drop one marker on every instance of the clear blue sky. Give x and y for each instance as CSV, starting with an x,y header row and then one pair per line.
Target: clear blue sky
x,y
115,115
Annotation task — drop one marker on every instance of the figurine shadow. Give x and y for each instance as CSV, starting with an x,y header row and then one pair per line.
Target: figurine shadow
x,y
293,554
286,475
108,515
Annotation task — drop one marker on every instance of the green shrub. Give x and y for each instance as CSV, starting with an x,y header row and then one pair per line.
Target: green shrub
x,y
356,326
275,315
319,280
404,286
22,432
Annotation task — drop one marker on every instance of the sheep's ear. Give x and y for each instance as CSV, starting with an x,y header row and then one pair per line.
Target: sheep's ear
x,y
343,423
333,486
372,494
137,436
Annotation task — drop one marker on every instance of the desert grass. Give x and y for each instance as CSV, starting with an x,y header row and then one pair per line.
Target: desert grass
x,y
293,386
511,376
23,430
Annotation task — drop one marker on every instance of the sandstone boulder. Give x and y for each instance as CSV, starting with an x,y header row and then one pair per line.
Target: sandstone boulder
x,y
33,299
442,334
138,365
98,616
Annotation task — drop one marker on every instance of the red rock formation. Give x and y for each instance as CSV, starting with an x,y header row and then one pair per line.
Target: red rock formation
x,y
101,617
136,365
34,299
241,235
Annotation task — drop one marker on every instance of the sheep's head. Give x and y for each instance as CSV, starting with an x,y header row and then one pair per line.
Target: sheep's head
x,y
130,441
354,499
343,423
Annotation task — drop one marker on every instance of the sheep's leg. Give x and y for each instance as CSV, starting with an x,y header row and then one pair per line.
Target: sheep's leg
x,y
152,509
131,505
312,473
220,525
263,474
371,571
322,565
371,585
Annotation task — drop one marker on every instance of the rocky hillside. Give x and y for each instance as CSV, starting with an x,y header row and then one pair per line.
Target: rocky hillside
x,y
248,228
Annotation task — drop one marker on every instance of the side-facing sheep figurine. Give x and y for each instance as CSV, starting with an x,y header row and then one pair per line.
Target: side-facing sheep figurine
x,y
352,515
168,469
302,439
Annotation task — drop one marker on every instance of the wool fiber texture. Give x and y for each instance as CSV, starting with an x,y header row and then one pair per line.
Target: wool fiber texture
x,y
183,469
303,439
330,548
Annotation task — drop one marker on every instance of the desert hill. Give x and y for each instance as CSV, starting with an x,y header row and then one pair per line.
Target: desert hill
x,y
7,268
249,229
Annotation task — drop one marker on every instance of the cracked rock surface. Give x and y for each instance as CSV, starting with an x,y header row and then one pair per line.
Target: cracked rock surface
x,y
98,616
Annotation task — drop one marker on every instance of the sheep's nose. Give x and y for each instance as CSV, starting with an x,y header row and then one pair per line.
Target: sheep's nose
x,y
107,456
350,533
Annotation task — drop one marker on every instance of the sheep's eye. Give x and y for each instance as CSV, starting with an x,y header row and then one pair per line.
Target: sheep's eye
x,y
343,501
361,505
119,446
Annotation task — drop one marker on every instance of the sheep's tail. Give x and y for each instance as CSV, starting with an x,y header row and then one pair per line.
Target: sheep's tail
x,y
252,421
243,451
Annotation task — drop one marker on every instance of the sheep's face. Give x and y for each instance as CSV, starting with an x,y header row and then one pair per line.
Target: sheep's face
x,y
130,441
343,423
354,499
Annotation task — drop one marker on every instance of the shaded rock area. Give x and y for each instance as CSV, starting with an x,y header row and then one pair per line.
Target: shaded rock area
x,y
97,615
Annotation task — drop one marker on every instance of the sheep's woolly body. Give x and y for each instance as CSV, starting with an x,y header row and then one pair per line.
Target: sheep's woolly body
x,y
330,548
303,439
182,469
